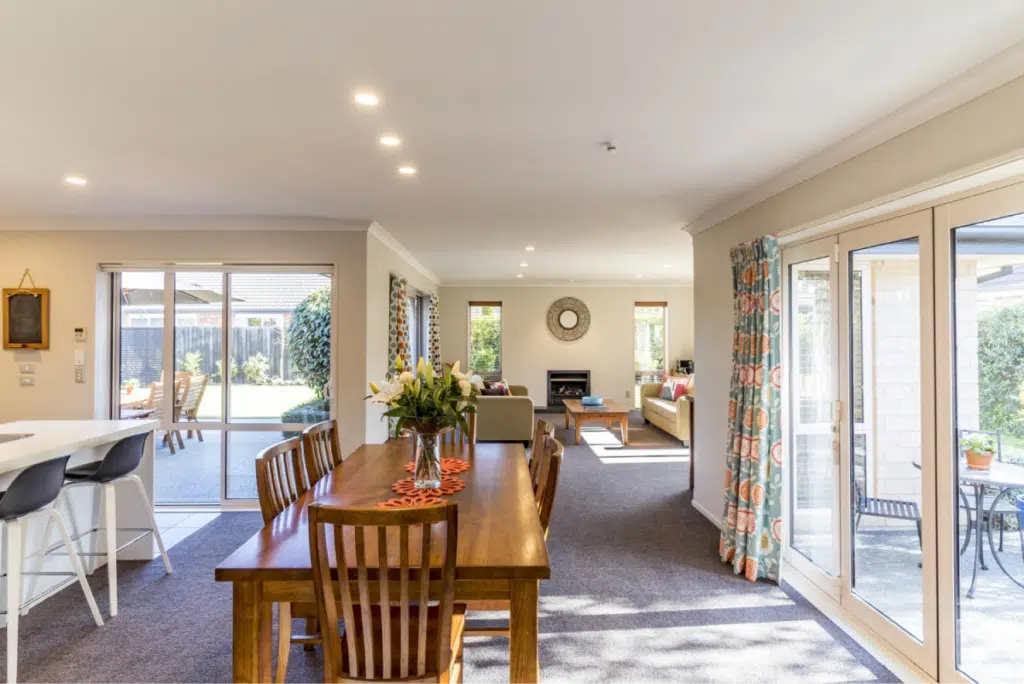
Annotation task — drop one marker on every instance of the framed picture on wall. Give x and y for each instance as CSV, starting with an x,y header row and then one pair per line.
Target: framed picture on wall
x,y
26,318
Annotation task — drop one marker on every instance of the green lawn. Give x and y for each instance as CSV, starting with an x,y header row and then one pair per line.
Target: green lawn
x,y
265,402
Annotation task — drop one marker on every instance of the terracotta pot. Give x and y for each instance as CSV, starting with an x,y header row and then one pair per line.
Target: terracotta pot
x,y
979,460
129,389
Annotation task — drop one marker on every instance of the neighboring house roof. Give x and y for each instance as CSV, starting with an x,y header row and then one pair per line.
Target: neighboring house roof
x,y
250,292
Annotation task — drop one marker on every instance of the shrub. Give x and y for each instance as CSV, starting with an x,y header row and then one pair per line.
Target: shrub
x,y
219,375
193,363
312,411
1001,369
256,369
309,340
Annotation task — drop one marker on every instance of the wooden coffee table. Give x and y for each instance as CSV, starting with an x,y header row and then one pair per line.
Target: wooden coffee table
x,y
610,413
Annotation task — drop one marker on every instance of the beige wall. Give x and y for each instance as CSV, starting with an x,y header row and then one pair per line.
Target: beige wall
x,y
67,262
978,131
382,261
529,350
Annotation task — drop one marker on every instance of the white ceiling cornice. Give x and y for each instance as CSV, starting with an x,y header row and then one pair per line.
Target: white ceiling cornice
x,y
183,223
969,85
564,284
395,246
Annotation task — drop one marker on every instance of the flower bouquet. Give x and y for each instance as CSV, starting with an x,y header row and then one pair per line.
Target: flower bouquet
x,y
427,404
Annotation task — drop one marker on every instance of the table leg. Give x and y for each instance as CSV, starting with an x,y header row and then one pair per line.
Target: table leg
x,y
524,661
979,502
252,637
579,425
624,428
567,418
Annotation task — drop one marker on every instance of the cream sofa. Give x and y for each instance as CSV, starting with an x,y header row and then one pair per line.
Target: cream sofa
x,y
505,419
671,416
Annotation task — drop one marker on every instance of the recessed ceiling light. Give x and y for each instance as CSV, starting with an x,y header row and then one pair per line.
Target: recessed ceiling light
x,y
75,180
523,265
519,275
366,99
668,265
530,248
390,140
639,276
407,170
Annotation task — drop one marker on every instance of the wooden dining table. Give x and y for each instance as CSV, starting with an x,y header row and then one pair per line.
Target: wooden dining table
x,y
501,555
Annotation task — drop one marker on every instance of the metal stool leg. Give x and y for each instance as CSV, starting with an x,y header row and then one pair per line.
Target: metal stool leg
x,y
76,563
110,533
152,520
40,557
15,552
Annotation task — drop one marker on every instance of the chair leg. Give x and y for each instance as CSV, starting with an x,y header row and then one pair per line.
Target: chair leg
x,y
110,536
181,442
152,520
170,441
76,563
15,550
199,435
312,627
284,639
40,557
1002,525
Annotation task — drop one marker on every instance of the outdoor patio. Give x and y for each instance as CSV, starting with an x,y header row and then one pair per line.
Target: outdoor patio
x,y
991,623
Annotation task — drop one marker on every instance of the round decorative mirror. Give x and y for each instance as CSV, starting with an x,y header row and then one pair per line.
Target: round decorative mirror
x,y
568,319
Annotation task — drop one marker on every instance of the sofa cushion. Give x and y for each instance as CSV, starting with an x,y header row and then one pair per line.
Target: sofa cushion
x,y
665,409
667,390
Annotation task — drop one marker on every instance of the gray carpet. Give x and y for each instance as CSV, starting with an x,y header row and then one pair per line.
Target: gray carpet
x,y
636,594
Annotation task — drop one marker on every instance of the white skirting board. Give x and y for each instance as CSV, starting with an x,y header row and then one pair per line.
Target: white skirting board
x,y
715,520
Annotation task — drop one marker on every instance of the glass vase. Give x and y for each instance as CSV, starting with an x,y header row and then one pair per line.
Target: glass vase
x,y
428,461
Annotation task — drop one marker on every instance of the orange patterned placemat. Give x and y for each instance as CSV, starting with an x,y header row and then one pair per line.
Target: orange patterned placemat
x,y
422,497
449,466
449,485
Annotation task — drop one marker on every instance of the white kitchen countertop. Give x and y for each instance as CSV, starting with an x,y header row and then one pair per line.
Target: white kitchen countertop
x,y
54,438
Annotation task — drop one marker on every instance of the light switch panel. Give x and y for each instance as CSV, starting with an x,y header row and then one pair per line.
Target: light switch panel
x,y
79,374
79,357
27,381
27,368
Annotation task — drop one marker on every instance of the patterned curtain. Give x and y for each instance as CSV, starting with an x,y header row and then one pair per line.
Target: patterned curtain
x,y
752,529
398,325
434,335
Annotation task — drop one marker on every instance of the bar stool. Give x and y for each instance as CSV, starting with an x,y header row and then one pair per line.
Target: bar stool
x,y
117,466
30,495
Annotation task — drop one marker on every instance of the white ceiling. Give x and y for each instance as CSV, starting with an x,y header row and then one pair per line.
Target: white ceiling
x,y
245,107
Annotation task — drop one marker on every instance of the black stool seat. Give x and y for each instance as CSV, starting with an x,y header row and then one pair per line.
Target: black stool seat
x,y
83,472
123,458
33,488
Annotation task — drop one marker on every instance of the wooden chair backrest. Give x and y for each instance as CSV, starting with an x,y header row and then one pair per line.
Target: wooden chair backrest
x,y
553,453
194,394
460,437
541,430
418,580
155,400
323,449
280,479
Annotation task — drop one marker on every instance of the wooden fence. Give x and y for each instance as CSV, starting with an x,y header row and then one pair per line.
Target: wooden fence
x,y
142,352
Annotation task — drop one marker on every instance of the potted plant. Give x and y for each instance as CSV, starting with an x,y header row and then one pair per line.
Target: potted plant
x,y
130,385
426,404
978,449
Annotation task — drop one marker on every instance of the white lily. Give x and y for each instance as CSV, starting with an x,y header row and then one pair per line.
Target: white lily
x,y
420,371
455,368
388,393
465,387
406,378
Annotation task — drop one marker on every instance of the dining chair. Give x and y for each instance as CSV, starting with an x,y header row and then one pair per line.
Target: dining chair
x,y
190,403
460,437
322,448
551,453
155,402
541,430
280,481
417,641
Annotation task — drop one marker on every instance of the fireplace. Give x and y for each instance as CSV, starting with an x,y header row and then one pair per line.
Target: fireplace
x,y
567,384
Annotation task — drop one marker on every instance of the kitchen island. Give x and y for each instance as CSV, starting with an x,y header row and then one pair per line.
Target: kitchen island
x,y
26,443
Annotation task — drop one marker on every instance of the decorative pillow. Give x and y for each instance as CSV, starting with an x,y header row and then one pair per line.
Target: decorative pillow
x,y
667,390
492,392
681,387
503,387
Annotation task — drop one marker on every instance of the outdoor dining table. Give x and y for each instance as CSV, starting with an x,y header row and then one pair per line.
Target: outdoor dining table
x,y
1001,476
501,552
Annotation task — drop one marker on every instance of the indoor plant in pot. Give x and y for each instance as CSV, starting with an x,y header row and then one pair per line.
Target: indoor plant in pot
x,y
978,449
426,404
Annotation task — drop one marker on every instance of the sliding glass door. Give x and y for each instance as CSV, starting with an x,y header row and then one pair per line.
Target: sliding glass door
x,y
980,367
811,341
886,378
250,363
